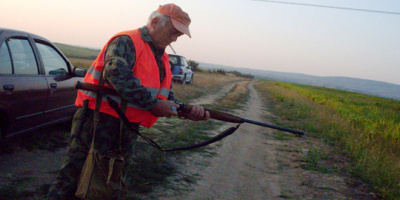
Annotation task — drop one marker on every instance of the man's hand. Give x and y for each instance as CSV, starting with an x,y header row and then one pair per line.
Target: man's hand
x,y
165,108
197,113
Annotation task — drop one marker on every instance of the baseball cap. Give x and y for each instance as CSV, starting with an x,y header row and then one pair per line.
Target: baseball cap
x,y
179,18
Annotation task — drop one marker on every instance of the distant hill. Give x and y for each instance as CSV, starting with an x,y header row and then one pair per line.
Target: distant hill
x,y
364,86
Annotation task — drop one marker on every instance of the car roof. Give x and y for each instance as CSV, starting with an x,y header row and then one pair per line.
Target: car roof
x,y
5,32
175,55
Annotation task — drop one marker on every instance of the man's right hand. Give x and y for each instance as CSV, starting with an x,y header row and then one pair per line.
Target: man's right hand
x,y
165,108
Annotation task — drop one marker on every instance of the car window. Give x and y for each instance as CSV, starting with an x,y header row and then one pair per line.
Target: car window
x,y
173,59
5,60
184,63
22,56
52,60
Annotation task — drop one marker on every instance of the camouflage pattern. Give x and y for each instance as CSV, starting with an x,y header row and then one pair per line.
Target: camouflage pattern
x,y
118,71
107,140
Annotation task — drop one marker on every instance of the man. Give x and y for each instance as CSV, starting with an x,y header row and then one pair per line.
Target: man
x,y
135,64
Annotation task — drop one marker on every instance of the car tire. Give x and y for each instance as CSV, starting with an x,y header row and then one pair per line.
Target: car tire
x,y
191,80
184,80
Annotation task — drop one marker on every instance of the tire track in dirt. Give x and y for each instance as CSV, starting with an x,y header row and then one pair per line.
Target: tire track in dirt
x,y
209,99
245,167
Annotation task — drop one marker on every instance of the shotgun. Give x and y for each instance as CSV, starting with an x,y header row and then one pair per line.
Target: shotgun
x,y
218,115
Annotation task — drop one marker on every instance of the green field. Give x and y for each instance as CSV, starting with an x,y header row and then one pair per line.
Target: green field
x,y
365,128
79,56
78,52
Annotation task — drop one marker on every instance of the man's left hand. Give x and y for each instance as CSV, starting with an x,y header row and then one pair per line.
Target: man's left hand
x,y
197,113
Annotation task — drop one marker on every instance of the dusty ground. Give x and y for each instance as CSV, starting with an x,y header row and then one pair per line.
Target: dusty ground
x,y
253,163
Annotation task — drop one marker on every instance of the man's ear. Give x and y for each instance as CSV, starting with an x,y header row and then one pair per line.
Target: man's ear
x,y
154,22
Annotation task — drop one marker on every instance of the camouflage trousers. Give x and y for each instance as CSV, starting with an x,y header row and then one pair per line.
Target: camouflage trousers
x,y
111,136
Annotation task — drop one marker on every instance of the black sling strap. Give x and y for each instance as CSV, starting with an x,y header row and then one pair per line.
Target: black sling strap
x,y
123,117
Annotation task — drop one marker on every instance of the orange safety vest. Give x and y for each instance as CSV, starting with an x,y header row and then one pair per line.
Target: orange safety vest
x,y
145,68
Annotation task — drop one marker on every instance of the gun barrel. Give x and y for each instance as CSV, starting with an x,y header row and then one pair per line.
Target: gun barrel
x,y
297,132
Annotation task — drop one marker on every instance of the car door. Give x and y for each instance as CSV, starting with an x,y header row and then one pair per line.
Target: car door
x,y
23,91
57,70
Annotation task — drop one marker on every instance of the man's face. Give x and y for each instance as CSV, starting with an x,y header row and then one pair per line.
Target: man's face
x,y
165,35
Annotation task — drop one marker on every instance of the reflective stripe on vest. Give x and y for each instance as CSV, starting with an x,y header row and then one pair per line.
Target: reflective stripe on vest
x,y
154,91
146,69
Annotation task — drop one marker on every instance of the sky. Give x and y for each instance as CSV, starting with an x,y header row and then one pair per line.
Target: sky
x,y
256,34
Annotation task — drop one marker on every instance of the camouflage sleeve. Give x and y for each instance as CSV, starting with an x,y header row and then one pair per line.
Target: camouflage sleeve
x,y
171,97
121,56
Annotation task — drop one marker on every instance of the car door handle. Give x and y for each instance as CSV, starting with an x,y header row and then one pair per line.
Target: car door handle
x,y
53,86
8,87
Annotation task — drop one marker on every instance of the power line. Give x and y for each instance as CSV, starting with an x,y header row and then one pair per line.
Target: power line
x,y
332,7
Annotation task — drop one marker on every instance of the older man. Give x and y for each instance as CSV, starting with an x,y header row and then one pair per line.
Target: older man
x,y
135,64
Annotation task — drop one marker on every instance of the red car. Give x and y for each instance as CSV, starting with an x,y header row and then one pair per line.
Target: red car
x,y
36,83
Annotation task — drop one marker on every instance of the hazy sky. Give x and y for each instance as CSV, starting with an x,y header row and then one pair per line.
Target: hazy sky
x,y
240,33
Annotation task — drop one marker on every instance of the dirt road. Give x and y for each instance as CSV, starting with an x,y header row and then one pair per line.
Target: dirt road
x,y
245,167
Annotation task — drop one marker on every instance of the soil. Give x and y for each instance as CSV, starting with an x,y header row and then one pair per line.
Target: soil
x,y
253,163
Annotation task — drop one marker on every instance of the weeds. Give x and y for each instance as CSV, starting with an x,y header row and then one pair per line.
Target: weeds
x,y
313,161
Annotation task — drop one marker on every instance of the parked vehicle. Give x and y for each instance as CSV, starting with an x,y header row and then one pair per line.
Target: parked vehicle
x,y
181,71
36,83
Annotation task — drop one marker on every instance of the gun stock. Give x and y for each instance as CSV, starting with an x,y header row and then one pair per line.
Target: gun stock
x,y
214,114
95,88
218,115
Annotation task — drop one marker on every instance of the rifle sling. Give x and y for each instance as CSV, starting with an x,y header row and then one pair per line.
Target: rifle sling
x,y
123,117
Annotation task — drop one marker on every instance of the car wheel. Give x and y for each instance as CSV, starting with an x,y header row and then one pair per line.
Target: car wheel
x,y
184,80
191,79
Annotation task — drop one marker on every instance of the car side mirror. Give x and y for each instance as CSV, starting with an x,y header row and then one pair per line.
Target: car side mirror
x,y
79,72
58,72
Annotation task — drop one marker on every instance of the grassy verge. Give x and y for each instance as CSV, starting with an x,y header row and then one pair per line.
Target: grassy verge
x,y
366,128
